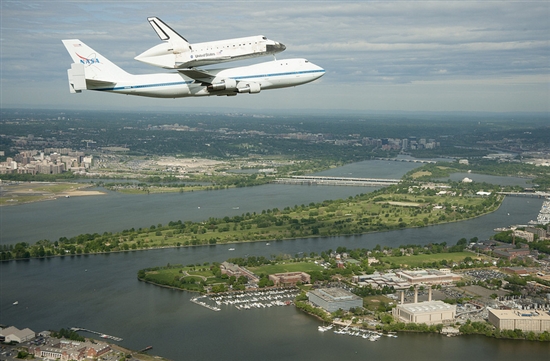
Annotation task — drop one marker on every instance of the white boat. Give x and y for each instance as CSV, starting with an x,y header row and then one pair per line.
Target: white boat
x,y
267,244
16,303
231,249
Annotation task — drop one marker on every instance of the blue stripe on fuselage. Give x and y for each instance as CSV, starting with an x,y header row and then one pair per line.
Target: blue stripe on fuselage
x,y
143,86
278,74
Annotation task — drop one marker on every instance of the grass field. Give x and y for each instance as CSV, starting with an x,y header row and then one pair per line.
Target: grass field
x,y
373,302
27,192
418,260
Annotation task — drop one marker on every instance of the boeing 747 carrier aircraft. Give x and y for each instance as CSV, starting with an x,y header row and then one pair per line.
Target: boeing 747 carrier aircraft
x,y
92,71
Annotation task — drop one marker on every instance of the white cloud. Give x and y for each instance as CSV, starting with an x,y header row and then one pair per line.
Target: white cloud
x,y
363,45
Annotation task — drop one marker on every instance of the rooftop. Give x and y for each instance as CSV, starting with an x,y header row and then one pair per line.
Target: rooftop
x,y
334,294
520,314
429,306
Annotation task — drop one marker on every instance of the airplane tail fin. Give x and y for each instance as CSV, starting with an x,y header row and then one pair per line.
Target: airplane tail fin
x,y
168,34
90,67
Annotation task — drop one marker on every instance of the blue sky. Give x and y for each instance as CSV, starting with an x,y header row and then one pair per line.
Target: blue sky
x,y
378,55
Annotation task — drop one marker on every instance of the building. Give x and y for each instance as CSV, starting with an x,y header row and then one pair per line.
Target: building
x,y
67,350
231,269
540,232
510,251
525,235
333,299
13,334
430,312
429,277
381,280
525,320
520,271
289,278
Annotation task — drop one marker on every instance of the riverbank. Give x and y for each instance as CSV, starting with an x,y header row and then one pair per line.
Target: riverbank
x,y
29,192
362,214
137,355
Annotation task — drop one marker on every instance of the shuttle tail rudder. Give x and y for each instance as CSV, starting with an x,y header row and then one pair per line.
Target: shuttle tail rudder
x,y
168,34
90,67
170,53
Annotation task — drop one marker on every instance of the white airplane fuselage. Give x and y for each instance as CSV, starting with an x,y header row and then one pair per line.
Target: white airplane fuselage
x,y
177,53
172,56
268,75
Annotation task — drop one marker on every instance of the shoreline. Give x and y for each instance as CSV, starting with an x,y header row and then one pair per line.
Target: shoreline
x,y
45,195
259,240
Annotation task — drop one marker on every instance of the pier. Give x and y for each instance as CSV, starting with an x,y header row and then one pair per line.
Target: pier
x,y
102,335
198,301
337,181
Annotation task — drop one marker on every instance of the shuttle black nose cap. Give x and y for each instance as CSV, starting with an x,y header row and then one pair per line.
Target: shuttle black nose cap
x,y
276,48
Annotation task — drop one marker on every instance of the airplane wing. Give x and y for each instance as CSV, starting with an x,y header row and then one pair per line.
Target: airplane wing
x,y
213,82
198,75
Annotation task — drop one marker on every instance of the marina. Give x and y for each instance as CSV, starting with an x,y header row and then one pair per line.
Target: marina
x,y
358,332
199,301
544,214
247,300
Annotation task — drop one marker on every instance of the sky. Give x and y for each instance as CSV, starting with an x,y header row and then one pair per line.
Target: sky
x,y
471,56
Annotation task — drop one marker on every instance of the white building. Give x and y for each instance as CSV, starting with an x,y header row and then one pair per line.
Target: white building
x,y
526,321
430,312
14,334
429,277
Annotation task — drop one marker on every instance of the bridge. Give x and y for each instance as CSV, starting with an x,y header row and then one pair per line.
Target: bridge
x,y
527,194
337,181
407,160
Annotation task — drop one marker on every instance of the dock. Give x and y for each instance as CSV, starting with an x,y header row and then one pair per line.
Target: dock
x,y
145,349
102,335
198,301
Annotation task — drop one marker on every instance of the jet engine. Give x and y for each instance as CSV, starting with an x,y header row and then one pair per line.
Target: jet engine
x,y
251,88
226,84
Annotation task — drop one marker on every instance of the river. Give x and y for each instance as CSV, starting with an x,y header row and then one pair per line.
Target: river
x,y
101,292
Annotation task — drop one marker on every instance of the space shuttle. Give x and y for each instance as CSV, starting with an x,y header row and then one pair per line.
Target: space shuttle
x,y
175,52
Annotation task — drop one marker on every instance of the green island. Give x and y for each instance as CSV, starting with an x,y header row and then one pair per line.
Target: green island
x,y
407,204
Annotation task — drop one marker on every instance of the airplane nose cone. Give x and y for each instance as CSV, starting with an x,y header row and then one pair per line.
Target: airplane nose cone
x,y
276,47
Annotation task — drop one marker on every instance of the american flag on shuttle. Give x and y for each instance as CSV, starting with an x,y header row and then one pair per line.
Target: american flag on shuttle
x,y
77,45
